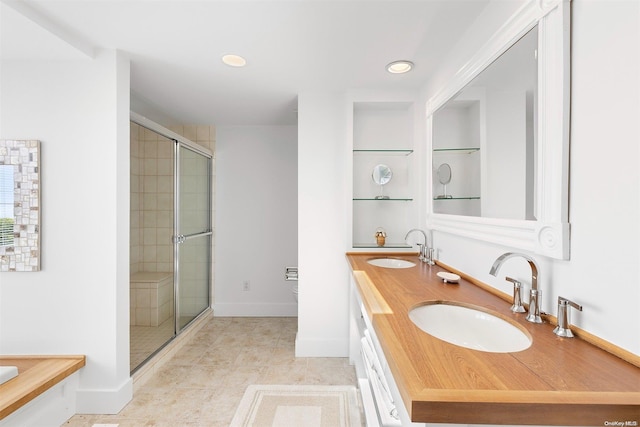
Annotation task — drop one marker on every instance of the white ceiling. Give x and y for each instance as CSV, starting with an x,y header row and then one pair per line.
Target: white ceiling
x,y
290,46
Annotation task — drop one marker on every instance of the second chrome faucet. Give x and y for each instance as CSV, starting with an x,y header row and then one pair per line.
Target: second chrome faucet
x,y
426,252
534,300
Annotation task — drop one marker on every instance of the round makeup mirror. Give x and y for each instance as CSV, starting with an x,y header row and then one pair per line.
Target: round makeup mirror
x,y
444,173
381,175
444,176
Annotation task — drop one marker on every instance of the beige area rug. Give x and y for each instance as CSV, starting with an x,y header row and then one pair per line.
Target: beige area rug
x,y
298,406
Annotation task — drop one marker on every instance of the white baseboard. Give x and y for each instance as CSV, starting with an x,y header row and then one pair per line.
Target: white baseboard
x,y
104,401
255,310
319,347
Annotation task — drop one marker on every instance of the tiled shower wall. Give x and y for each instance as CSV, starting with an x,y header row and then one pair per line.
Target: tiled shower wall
x,y
151,201
135,240
151,249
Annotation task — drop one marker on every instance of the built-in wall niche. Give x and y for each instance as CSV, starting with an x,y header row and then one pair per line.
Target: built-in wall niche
x,y
383,140
19,205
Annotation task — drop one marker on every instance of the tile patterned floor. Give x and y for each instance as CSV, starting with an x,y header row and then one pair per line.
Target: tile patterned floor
x,y
203,384
147,339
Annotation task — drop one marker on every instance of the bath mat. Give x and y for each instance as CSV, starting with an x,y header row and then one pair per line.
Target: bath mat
x,y
298,406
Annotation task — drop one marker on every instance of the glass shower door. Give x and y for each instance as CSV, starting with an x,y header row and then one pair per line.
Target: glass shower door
x,y
193,234
152,223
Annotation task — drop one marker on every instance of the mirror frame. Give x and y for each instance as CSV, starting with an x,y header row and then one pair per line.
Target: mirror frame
x,y
24,254
549,234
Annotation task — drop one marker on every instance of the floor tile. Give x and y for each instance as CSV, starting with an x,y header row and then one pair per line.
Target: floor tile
x,y
206,379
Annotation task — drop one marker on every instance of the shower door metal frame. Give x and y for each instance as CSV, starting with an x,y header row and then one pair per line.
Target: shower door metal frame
x,y
178,141
178,239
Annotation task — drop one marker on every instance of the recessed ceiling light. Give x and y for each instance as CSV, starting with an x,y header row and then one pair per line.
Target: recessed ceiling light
x,y
234,60
399,67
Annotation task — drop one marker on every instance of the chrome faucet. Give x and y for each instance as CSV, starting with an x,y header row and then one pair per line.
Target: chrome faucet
x,y
534,299
563,329
426,253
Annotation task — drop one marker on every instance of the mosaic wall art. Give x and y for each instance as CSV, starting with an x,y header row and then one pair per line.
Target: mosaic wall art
x,y
20,208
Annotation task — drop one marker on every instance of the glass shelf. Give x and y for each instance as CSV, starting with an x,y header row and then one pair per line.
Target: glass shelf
x,y
392,152
456,198
386,246
456,150
373,199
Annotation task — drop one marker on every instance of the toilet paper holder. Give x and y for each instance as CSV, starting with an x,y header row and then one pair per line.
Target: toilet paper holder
x,y
291,273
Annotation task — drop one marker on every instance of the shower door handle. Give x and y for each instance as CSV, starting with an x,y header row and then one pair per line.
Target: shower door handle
x,y
181,238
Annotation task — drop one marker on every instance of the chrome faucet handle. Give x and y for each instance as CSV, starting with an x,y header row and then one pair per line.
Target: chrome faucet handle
x,y
421,248
517,306
563,329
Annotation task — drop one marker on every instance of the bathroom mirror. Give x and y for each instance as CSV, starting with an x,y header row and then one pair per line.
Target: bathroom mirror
x,y
513,136
381,175
486,131
19,205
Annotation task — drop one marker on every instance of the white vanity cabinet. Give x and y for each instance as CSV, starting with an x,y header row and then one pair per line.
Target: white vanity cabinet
x,y
383,134
382,404
380,397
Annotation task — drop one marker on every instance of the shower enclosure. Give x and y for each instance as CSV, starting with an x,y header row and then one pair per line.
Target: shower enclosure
x,y
192,240
171,236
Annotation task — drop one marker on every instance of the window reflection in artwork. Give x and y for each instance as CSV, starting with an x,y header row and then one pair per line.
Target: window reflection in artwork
x,y
6,205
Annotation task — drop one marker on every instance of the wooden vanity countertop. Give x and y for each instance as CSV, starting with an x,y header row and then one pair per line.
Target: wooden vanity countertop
x,y
36,374
556,381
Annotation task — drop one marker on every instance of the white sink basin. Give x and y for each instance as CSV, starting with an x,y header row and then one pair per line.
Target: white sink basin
x,y
391,263
7,372
469,327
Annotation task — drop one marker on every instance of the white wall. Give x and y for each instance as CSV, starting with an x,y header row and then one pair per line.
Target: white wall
x,y
603,273
322,226
493,16
79,302
256,220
